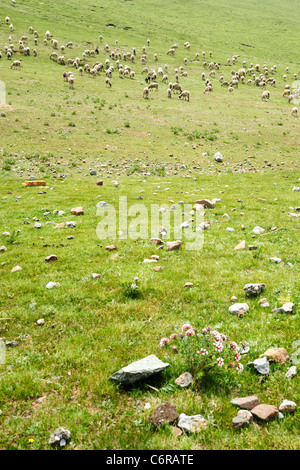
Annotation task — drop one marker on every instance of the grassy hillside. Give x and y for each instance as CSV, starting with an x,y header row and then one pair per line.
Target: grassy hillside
x,y
160,150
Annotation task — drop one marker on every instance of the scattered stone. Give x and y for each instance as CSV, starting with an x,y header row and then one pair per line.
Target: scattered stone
x,y
264,303
184,380
241,245
188,284
279,355
287,308
230,229
147,260
139,370
156,241
41,321
204,225
246,414
51,284
240,422
276,260
3,248
246,402
37,225
252,290
99,183
205,203
60,225
296,188
288,406
258,230
164,414
175,245
60,437
195,423
111,247
77,211
176,431
239,308
292,372
218,157
265,412
262,366
34,183
252,247
16,269
96,275
11,344
101,204
51,258
70,224
157,268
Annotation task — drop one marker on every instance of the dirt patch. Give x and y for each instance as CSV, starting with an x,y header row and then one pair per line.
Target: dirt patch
x,y
8,107
164,414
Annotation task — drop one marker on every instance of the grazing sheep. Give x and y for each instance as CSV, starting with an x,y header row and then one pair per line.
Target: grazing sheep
x,y
184,94
146,93
7,20
230,89
294,112
165,78
107,82
153,86
16,64
208,89
176,87
265,95
53,56
71,80
286,93
169,91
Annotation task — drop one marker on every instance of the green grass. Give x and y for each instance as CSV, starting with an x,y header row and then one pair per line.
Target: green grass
x,y
58,374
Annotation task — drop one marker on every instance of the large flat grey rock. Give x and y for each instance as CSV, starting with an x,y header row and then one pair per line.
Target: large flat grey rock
x,y
139,370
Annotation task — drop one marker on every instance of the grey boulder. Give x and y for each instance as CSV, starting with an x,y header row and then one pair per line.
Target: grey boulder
x,y
139,370
252,290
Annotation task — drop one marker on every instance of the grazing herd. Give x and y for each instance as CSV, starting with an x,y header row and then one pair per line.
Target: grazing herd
x,y
253,75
